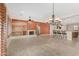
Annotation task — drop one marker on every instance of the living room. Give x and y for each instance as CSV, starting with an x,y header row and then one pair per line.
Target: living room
x,y
30,29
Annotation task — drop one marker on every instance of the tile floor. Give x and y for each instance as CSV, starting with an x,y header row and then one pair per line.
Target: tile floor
x,y
42,46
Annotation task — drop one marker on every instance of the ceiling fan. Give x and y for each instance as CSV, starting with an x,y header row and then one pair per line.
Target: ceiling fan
x,y
73,15
54,18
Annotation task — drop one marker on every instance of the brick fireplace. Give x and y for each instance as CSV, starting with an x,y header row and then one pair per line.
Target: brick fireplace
x,y
24,27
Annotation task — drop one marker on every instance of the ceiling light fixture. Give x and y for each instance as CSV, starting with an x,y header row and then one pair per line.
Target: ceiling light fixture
x,y
54,19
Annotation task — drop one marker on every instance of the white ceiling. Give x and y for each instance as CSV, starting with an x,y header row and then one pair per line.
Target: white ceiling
x,y
42,11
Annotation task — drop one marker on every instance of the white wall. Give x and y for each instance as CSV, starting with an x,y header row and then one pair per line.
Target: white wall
x,y
9,26
69,35
51,29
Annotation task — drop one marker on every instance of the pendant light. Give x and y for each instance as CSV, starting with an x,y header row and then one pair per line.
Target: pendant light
x,y
54,18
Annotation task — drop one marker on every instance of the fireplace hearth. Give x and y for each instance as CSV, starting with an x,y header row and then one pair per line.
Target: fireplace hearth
x,y
31,33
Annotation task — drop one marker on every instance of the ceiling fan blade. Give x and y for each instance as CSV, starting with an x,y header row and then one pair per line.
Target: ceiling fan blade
x,y
70,16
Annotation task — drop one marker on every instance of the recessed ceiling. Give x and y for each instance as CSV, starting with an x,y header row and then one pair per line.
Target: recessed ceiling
x,y
41,11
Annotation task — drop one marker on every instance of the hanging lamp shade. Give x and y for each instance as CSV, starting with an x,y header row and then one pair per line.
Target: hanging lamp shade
x,y
49,18
58,19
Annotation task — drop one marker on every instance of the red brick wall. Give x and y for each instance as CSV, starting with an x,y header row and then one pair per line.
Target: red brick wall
x,y
2,29
44,28
31,25
19,27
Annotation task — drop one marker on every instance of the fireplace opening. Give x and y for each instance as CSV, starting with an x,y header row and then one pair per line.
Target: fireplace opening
x,y
31,33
